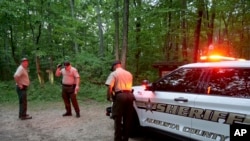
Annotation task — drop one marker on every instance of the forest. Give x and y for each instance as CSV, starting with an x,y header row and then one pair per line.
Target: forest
x,y
91,34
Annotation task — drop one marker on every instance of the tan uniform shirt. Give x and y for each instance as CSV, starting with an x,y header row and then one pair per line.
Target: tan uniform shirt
x,y
23,76
69,77
120,79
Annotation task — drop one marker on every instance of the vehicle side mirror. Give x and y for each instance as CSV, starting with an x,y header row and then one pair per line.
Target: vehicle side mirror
x,y
148,86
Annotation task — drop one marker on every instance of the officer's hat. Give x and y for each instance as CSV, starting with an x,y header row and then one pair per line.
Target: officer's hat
x,y
115,63
24,59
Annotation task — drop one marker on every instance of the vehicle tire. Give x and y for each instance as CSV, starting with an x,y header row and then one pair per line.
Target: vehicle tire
x,y
135,128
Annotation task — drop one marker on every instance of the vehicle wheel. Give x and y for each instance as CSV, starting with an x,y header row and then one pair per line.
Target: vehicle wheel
x,y
136,128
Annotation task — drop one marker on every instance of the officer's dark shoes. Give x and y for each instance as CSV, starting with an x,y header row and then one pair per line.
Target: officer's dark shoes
x,y
67,114
25,117
77,115
22,116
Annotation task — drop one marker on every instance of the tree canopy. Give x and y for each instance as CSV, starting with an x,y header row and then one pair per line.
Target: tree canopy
x,y
93,33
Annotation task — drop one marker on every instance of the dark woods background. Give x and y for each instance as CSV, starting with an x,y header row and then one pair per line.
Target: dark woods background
x,y
91,34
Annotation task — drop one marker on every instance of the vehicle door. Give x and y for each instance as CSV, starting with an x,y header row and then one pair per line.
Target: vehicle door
x,y
223,102
167,106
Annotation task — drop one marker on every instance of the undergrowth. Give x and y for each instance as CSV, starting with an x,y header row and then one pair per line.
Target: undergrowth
x,y
50,92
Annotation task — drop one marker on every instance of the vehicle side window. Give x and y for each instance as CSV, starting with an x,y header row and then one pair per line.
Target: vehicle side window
x,y
233,82
181,80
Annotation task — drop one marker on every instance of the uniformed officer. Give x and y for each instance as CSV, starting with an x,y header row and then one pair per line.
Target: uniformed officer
x,y
21,77
70,87
120,81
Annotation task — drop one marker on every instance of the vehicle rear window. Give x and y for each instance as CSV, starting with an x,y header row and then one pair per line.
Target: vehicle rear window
x,y
233,82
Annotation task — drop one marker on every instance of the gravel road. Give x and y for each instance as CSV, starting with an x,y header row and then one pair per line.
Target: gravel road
x,y
48,124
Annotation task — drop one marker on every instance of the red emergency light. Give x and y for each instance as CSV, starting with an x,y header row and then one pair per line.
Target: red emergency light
x,y
216,58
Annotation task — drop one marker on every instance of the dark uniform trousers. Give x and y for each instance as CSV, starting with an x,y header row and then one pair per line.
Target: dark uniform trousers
x,y
22,97
122,112
68,95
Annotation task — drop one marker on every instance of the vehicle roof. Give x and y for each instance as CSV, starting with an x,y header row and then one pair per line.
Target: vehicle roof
x,y
236,64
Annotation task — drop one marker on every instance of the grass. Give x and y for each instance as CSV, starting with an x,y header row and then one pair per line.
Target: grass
x,y
50,92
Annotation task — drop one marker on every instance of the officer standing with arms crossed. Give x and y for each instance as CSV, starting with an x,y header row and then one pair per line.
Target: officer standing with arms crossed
x,y
21,77
120,81
70,87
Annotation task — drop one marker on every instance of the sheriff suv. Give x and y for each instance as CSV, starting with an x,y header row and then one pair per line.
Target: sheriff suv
x,y
198,101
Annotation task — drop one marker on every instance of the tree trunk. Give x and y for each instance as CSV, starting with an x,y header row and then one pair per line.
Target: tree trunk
x,y
137,4
168,44
116,20
101,45
72,5
210,26
36,41
226,37
50,71
125,33
184,30
200,6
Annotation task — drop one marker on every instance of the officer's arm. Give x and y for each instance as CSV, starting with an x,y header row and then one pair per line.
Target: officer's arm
x,y
77,84
109,93
77,81
17,79
110,84
58,70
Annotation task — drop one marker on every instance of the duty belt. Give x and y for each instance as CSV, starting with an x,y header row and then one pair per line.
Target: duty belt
x,y
69,85
123,91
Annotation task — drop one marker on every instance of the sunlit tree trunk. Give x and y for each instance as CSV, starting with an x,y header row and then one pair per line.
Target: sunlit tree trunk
x,y
39,72
36,42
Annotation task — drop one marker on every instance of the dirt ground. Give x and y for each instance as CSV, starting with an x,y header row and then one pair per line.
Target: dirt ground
x,y
48,124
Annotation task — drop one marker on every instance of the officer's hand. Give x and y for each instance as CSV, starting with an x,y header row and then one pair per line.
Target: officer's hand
x,y
76,89
109,99
59,66
20,86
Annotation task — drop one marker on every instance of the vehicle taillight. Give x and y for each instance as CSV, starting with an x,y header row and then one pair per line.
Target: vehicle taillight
x,y
145,84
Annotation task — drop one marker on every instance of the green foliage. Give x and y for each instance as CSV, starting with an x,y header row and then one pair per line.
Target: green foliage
x,y
93,91
8,92
57,30
50,92
92,68
47,92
